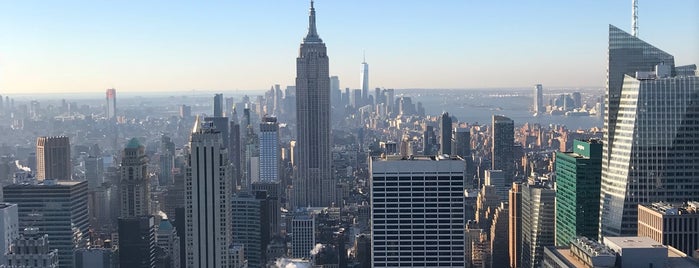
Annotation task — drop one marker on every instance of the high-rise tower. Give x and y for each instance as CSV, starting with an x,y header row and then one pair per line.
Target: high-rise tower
x,y
503,136
313,185
134,186
111,104
653,157
208,193
539,100
269,150
445,134
218,105
364,79
627,55
53,158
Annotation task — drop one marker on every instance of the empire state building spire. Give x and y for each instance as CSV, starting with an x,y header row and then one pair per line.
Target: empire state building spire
x,y
312,36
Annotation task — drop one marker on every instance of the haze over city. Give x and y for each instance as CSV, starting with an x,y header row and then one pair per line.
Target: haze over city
x,y
170,46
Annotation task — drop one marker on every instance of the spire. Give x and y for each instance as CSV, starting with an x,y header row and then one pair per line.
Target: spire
x,y
312,36
197,125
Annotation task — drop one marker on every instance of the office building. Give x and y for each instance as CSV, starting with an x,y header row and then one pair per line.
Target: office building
x,y
462,143
496,178
9,228
539,106
251,225
207,199
32,249
364,82
538,216
94,172
499,256
110,112
134,183
273,191
96,258
314,185
218,105
269,150
61,213
417,213
582,252
303,236
53,158
169,242
137,242
336,93
234,150
671,225
515,224
502,150
445,134
578,182
653,155
627,54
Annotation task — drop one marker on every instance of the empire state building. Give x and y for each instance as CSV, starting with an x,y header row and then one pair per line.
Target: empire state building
x,y
313,185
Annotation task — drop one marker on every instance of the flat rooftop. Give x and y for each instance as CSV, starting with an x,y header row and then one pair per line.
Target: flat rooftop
x,y
634,242
418,158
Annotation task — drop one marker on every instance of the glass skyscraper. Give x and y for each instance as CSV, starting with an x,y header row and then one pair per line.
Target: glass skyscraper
x,y
650,132
578,178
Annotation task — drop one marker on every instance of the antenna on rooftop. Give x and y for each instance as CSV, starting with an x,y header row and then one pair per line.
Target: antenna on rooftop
x,y
634,18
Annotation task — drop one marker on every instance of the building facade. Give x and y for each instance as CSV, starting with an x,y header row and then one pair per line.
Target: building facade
x,y
53,158
578,182
61,212
417,210
110,112
134,183
313,185
627,54
538,216
502,150
207,199
671,225
269,150
653,157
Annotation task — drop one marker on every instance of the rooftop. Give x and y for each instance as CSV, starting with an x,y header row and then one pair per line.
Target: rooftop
x,y
664,208
633,242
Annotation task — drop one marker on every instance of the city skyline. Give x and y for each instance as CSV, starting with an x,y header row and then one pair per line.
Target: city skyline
x,y
77,47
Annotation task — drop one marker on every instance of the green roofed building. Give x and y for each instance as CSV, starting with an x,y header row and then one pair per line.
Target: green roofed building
x,y
578,180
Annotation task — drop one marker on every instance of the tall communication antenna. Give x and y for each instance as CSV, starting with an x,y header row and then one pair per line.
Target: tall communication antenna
x,y
634,18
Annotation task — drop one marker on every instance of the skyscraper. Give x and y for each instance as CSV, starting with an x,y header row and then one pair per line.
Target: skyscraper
x,y
111,104
538,215
364,80
578,178
9,228
539,100
269,150
410,226
134,184
136,223
208,193
654,155
53,158
250,225
445,134
515,224
313,185
60,212
218,105
503,136
627,54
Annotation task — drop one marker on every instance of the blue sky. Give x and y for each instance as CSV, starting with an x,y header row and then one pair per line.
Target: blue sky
x,y
87,46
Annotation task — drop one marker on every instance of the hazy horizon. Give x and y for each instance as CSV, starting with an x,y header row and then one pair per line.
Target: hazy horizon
x,y
158,46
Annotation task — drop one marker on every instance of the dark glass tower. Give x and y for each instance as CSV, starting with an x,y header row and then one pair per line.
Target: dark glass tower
x,y
445,134
313,185
503,133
